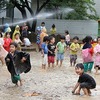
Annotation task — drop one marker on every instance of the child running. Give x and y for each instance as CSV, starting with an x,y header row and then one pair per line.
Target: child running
x,y
44,51
85,81
17,62
61,48
51,51
74,48
87,54
97,56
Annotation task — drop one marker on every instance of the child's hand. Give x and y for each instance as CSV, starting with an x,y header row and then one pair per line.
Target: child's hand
x,y
8,60
23,59
42,55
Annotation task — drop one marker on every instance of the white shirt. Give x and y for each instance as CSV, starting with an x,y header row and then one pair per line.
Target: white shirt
x,y
27,42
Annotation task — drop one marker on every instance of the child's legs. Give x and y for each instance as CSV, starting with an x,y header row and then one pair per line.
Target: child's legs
x,y
85,67
86,88
75,58
15,79
71,59
49,61
44,61
90,66
58,58
61,59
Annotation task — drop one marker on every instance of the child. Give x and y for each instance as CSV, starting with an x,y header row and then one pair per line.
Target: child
x,y
51,51
74,48
61,48
97,55
7,41
3,52
17,40
17,62
43,34
44,51
85,81
53,30
38,38
67,38
87,53
17,30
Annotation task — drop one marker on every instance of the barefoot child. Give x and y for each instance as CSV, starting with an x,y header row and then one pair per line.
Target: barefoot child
x,y
51,51
97,56
61,48
44,51
74,48
17,62
85,81
87,53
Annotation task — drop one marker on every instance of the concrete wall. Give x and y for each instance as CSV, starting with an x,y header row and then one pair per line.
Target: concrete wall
x,y
80,28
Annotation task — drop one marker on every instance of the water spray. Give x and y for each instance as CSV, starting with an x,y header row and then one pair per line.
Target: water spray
x,y
40,16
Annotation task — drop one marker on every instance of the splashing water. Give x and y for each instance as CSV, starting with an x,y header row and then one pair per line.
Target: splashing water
x,y
41,16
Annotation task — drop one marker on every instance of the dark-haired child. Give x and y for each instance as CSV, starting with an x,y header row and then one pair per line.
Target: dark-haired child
x,y
7,41
97,56
44,51
17,63
51,51
67,36
74,48
61,48
85,81
87,53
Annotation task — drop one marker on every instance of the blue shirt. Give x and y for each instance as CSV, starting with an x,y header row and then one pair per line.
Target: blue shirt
x,y
45,48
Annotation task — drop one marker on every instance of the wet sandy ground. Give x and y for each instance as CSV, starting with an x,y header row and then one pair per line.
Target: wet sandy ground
x,y
53,84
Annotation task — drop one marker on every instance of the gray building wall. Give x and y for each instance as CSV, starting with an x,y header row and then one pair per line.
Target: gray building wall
x,y
79,28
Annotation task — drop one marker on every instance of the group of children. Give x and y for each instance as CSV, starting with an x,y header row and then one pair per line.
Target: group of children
x,y
49,49
18,61
85,81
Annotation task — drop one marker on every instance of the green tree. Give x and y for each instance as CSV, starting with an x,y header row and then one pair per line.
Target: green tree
x,y
83,9
22,5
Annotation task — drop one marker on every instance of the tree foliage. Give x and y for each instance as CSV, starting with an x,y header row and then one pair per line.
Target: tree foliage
x,y
83,9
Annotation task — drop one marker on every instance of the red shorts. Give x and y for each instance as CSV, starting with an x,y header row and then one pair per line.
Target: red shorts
x,y
51,59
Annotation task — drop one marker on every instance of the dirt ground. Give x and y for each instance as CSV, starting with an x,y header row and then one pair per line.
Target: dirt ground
x,y
53,84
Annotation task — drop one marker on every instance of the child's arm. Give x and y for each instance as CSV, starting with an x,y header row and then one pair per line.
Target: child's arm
x,y
76,86
42,52
72,48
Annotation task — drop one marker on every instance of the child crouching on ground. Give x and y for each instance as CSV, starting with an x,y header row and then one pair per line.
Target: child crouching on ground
x,y
85,81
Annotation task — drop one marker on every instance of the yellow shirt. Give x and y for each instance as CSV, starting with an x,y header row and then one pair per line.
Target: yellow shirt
x,y
74,47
